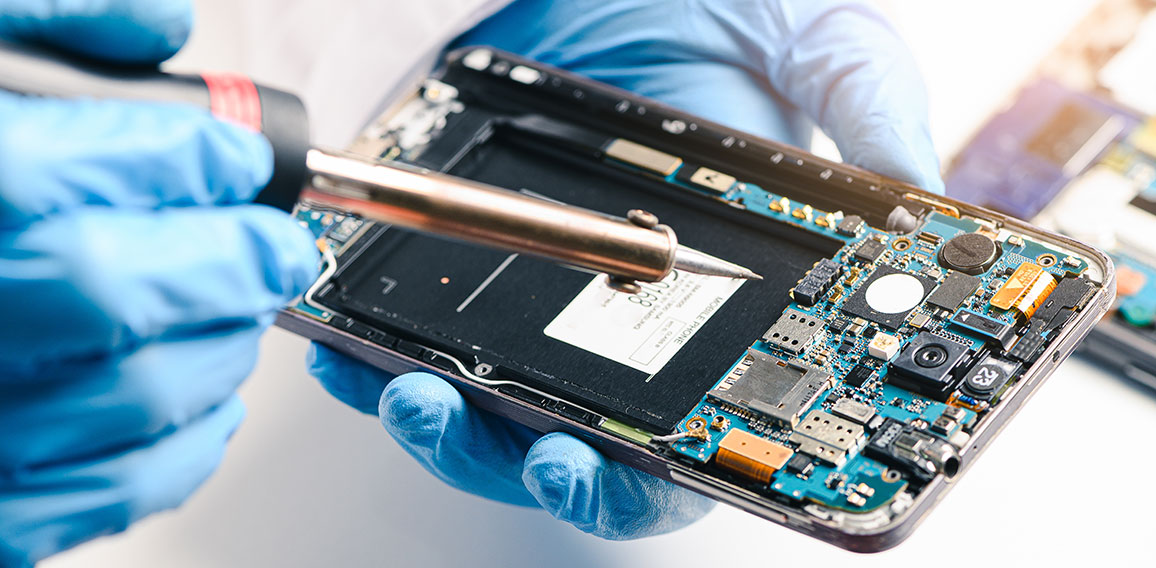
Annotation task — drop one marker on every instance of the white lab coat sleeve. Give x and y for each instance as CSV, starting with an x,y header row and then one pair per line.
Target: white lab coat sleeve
x,y
348,58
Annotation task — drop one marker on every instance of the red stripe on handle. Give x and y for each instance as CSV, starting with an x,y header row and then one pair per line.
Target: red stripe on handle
x,y
234,98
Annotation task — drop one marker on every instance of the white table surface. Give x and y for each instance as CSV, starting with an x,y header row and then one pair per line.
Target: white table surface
x,y
308,482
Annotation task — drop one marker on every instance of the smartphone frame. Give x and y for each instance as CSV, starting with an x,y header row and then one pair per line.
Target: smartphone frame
x,y
861,535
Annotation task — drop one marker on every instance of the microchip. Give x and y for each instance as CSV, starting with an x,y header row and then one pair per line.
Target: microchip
x,y
837,325
850,226
800,465
895,294
858,375
956,288
869,251
773,389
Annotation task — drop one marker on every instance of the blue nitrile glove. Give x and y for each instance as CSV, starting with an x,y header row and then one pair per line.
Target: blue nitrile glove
x,y
135,282
760,66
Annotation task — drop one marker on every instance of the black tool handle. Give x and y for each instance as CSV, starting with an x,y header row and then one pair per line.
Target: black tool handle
x,y
280,116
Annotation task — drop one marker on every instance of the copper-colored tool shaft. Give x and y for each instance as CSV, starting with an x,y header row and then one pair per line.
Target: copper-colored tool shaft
x,y
627,250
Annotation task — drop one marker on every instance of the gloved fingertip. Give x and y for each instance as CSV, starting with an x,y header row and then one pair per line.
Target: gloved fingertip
x,y
352,382
561,473
285,249
125,31
416,407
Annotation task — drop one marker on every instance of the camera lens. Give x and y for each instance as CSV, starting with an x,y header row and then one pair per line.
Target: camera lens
x,y
930,356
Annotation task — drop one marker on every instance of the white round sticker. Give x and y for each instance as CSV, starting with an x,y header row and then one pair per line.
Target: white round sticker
x,y
894,293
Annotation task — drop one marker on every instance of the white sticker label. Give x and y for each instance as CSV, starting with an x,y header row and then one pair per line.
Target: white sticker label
x,y
644,330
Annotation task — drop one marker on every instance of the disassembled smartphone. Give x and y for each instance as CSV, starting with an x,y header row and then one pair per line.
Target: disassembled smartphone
x,y
895,333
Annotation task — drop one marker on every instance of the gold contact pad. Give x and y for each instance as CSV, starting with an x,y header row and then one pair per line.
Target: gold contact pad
x,y
644,157
751,456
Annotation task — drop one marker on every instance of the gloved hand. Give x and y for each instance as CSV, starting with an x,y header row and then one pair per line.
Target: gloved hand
x,y
760,66
134,284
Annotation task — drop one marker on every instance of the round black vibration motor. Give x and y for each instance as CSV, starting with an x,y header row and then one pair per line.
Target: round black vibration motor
x,y
969,253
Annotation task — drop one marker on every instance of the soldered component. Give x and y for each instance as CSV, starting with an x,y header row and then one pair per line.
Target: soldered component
x,y
827,437
644,157
996,331
720,423
888,296
930,238
920,320
750,456
858,376
793,331
954,289
918,453
926,365
696,429
707,178
803,213
800,465
853,410
988,377
850,226
970,253
883,346
869,251
1025,290
1069,296
772,389
857,326
816,282
780,206
1028,348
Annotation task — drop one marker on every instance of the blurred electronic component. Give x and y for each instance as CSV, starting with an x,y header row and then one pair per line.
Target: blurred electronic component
x,y
706,178
926,365
644,157
970,253
857,326
850,226
793,331
1025,290
888,296
869,251
954,289
991,329
883,346
720,423
772,389
858,375
919,454
920,320
816,282
987,377
751,456
827,437
930,238
853,410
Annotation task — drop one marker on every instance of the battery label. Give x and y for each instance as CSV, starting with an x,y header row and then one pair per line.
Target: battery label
x,y
644,330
